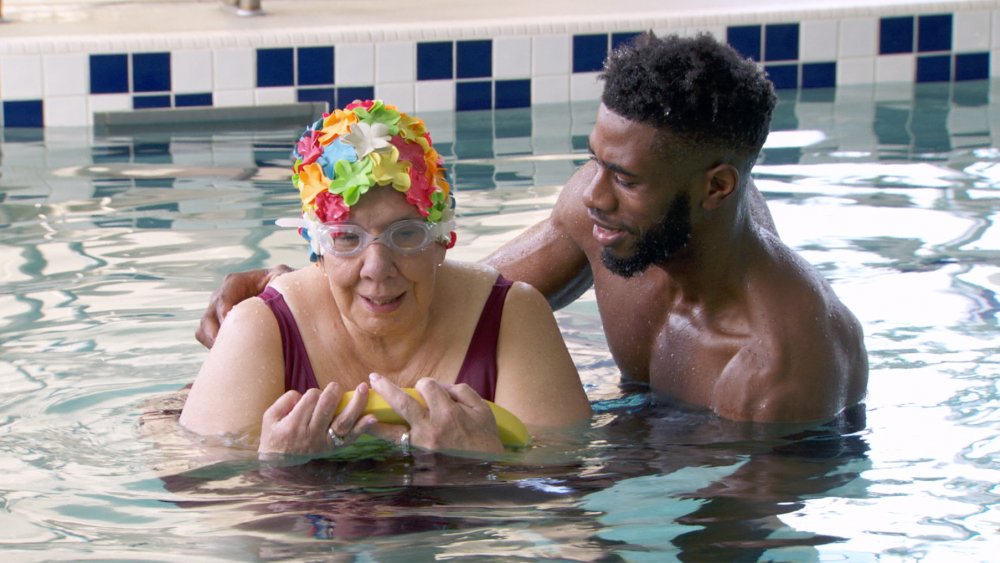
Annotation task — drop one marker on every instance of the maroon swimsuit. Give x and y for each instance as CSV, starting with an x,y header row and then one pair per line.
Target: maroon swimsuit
x,y
479,369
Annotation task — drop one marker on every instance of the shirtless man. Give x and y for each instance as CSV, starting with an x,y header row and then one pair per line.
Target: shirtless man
x,y
698,295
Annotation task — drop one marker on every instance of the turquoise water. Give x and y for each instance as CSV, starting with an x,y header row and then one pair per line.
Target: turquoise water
x,y
110,245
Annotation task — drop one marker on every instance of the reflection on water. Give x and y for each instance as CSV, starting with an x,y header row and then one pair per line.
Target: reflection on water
x,y
110,246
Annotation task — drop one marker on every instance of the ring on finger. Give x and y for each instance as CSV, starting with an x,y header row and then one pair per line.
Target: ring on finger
x,y
404,442
335,439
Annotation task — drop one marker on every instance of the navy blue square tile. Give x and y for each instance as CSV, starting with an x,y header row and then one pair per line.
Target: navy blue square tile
x,y
151,102
275,67
819,75
783,76
781,42
746,39
619,39
589,52
934,68
895,35
151,72
934,33
512,94
23,113
434,61
474,59
193,100
348,94
108,74
473,96
328,95
972,66
315,66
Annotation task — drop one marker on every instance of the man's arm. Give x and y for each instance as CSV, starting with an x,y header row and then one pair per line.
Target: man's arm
x,y
547,255
235,288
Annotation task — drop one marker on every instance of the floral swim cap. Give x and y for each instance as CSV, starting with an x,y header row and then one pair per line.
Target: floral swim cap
x,y
368,143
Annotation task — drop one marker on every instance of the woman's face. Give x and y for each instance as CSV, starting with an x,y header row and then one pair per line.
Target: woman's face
x,y
379,290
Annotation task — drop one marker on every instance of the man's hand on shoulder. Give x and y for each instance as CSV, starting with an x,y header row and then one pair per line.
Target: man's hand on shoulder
x,y
235,288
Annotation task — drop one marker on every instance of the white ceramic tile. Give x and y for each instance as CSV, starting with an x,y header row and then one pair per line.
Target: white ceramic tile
x,y
550,89
395,62
232,98
995,31
354,64
234,69
971,31
857,70
551,54
858,38
435,95
399,95
585,86
65,111
191,70
818,40
109,102
21,77
274,96
511,57
995,63
66,74
895,68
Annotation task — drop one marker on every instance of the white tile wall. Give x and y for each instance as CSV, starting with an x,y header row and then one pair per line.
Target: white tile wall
x,y
511,57
232,98
191,71
21,77
857,70
550,89
971,31
109,102
858,38
551,54
66,74
395,62
66,111
399,94
274,96
818,41
435,95
584,86
234,68
895,68
354,64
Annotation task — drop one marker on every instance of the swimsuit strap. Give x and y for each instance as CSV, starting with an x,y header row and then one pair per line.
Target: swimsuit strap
x,y
479,369
299,374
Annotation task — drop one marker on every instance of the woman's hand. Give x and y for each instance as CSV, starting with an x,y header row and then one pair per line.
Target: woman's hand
x,y
455,418
304,424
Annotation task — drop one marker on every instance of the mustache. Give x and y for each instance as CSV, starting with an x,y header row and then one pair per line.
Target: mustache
x,y
598,216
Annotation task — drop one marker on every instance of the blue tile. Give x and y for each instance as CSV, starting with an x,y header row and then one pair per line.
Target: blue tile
x,y
783,76
434,61
473,96
474,59
895,35
151,72
108,74
23,113
151,102
934,33
349,94
589,52
781,42
934,68
193,100
619,39
819,75
315,66
746,39
512,93
275,67
972,66
328,95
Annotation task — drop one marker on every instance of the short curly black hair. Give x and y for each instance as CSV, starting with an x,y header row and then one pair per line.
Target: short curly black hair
x,y
696,87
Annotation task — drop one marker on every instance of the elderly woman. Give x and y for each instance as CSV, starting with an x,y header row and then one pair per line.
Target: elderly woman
x,y
382,309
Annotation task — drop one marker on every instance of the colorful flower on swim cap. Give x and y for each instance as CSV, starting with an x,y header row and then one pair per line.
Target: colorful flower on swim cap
x,y
368,143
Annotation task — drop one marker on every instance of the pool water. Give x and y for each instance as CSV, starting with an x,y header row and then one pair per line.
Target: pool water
x,y
112,243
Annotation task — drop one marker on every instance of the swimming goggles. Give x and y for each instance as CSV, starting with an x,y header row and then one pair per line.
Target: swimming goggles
x,y
402,237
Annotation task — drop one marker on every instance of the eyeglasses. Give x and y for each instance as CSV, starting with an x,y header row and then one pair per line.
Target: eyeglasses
x,y
402,237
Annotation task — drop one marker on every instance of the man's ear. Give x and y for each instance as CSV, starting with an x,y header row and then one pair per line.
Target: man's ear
x,y
722,180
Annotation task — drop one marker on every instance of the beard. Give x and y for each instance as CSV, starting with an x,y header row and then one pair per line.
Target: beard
x,y
657,244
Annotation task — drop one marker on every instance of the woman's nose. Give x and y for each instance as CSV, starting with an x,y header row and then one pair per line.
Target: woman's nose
x,y
378,261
